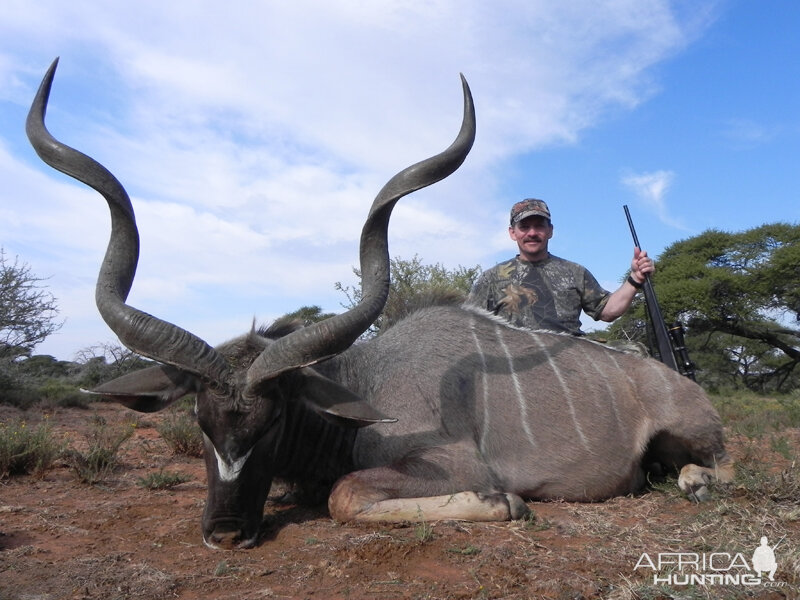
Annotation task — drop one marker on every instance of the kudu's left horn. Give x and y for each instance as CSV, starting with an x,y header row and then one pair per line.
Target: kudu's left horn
x,y
334,335
139,331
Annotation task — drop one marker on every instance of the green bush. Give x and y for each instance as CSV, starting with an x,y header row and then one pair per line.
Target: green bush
x,y
162,480
754,416
182,433
27,450
19,397
100,459
57,392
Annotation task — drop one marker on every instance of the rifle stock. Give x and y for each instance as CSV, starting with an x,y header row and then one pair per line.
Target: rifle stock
x,y
654,310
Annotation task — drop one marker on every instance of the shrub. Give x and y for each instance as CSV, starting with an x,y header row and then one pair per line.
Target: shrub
x,y
27,450
56,392
182,433
754,416
162,480
101,457
19,397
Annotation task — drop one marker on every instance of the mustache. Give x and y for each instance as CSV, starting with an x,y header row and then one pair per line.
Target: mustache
x,y
533,238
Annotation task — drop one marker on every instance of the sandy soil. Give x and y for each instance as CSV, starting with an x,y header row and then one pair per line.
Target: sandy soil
x,y
60,538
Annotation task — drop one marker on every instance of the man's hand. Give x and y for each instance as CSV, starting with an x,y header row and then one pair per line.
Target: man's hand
x,y
641,265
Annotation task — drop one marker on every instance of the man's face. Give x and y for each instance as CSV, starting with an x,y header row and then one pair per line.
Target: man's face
x,y
532,235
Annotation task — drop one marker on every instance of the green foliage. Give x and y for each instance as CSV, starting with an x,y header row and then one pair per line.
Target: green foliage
x,y
57,392
307,315
423,532
22,378
27,450
738,297
754,416
26,381
162,480
414,285
43,366
27,312
100,459
468,550
181,432
15,395
103,362
43,379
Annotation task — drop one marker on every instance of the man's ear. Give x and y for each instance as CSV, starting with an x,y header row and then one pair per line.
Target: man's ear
x,y
335,402
149,390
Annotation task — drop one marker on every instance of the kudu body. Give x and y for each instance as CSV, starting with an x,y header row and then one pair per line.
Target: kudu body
x,y
486,415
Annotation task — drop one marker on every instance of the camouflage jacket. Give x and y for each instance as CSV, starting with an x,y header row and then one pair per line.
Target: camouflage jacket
x,y
544,295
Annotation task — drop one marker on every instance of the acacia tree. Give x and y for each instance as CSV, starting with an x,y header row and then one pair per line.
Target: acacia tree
x,y
413,285
738,296
107,360
28,312
307,315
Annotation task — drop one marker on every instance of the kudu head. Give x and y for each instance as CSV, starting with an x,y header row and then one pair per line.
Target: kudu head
x,y
242,388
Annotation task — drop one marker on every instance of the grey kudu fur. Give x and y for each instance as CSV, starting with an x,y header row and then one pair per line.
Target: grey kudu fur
x,y
487,415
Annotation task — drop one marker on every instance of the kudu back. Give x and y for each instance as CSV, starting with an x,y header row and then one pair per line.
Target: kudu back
x,y
450,414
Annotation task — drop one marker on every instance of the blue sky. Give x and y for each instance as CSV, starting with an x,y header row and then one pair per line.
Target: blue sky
x,y
252,141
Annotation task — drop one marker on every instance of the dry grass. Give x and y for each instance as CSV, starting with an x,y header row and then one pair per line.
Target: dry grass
x,y
565,551
100,459
181,432
26,449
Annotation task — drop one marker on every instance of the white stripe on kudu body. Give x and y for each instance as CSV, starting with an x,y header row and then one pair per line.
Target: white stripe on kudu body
x,y
621,370
521,401
567,392
611,392
484,386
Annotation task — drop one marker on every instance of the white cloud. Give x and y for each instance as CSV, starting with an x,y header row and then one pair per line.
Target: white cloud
x,y
253,140
746,133
652,188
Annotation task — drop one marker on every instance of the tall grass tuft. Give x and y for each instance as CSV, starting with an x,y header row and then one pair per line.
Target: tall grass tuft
x,y
27,450
100,459
182,433
162,480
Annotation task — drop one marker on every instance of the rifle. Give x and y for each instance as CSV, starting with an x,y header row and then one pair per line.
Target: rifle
x,y
663,343
686,366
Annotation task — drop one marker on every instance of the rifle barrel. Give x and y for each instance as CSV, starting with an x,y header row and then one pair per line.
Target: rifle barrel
x,y
654,310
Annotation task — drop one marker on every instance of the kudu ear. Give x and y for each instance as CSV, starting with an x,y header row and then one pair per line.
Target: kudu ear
x,y
149,390
334,402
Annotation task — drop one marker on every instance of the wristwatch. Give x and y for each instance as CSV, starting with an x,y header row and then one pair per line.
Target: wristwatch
x,y
635,283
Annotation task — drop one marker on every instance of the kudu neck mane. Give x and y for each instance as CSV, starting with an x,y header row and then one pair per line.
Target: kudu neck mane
x,y
313,450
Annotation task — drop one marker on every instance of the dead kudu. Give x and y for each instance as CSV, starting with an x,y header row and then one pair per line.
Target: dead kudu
x,y
486,415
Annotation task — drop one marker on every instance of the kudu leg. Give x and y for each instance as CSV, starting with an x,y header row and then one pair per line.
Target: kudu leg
x,y
694,447
359,497
694,479
706,462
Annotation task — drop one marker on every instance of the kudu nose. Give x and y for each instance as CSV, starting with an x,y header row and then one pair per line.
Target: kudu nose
x,y
226,539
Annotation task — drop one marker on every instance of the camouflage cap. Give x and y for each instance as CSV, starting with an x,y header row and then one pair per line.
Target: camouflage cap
x,y
529,207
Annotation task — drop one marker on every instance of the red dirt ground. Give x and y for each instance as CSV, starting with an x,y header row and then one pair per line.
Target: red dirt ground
x,y
62,539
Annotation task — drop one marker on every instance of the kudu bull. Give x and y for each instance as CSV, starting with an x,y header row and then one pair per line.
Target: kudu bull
x,y
487,415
